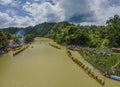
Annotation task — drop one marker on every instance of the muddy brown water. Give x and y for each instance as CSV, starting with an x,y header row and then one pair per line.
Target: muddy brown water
x,y
44,66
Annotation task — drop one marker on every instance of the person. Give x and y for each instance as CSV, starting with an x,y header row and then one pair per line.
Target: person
x,y
106,74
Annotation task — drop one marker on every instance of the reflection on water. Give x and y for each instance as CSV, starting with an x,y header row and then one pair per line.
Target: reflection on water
x,y
44,66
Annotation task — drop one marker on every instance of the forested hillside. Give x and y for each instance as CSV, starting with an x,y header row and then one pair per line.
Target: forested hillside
x,y
38,30
94,36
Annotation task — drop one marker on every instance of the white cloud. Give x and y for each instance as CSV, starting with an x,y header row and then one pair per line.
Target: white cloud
x,y
85,12
11,12
23,21
15,3
11,3
76,10
44,12
36,0
5,2
16,21
103,11
89,11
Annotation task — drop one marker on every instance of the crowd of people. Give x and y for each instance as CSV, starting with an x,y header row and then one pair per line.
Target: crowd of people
x,y
88,50
86,69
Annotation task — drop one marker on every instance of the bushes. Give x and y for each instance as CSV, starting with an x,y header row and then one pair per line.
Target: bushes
x,y
102,63
29,37
4,37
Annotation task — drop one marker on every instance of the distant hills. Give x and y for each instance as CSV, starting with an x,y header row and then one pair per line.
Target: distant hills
x,y
38,30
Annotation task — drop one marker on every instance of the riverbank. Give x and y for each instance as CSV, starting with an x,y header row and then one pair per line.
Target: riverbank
x,y
98,73
15,52
86,69
105,63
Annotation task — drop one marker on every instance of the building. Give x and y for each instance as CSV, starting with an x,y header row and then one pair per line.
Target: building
x,y
116,50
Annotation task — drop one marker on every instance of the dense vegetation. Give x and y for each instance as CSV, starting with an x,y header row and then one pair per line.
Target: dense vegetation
x,y
104,63
101,37
4,37
38,30
29,37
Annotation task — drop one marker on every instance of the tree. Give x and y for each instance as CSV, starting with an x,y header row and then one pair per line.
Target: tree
x,y
3,40
114,30
29,37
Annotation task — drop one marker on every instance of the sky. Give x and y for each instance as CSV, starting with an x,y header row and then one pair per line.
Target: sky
x,y
23,13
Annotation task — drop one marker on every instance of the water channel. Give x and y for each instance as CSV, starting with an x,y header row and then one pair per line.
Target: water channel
x,y
44,66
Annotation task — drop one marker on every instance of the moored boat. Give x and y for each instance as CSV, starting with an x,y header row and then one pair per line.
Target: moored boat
x,y
115,77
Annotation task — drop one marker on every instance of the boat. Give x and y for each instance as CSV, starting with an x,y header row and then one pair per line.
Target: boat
x,y
115,77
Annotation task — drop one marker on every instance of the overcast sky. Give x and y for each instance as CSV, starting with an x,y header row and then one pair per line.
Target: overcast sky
x,y
22,13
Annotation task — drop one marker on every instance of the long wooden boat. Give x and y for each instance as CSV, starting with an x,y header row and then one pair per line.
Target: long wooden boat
x,y
115,77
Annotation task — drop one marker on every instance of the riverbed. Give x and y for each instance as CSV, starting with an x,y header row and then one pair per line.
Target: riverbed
x,y
45,66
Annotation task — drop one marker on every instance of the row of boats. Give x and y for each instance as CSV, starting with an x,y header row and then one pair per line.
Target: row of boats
x,y
86,69
74,47
54,46
20,50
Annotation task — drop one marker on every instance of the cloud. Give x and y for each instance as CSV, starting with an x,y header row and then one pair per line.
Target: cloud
x,y
30,12
3,19
17,21
11,3
11,12
76,11
103,10
114,2
5,2
44,12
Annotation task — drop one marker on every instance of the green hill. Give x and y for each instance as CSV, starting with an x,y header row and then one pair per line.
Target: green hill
x,y
38,30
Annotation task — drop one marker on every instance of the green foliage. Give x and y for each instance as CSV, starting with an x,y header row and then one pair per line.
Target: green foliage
x,y
101,37
38,30
4,37
29,37
102,63
114,31
11,30
65,33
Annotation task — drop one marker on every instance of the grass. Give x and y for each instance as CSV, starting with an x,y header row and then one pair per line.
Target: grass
x,y
102,63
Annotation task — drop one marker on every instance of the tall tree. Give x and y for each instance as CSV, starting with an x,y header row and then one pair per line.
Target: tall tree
x,y
114,30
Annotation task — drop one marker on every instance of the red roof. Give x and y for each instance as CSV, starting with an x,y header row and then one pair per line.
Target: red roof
x,y
117,49
11,42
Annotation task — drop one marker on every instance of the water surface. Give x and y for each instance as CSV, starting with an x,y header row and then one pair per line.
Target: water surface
x,y
44,66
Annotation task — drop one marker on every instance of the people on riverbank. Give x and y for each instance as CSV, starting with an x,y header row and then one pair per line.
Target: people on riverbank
x,y
85,68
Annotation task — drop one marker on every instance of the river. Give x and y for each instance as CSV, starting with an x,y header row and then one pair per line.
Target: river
x,y
44,66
